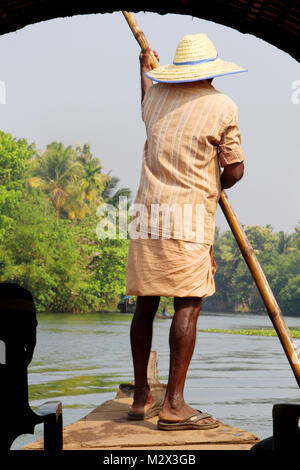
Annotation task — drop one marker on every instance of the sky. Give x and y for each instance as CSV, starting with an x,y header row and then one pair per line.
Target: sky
x,y
76,80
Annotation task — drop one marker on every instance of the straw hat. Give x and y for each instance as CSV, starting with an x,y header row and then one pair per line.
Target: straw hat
x,y
195,59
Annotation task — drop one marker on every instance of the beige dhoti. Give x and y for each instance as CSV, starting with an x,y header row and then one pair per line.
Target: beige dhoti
x,y
170,268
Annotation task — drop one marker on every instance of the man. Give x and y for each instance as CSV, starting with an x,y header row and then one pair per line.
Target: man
x,y
192,131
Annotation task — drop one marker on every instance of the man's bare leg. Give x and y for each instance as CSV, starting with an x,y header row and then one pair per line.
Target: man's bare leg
x,y
182,343
141,340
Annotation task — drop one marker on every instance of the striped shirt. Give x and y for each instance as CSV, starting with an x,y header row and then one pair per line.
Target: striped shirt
x,y
188,125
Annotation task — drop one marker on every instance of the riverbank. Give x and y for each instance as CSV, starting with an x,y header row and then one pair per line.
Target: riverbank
x,y
116,316
295,332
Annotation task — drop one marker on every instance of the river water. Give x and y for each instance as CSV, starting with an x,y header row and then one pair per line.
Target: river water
x,y
81,359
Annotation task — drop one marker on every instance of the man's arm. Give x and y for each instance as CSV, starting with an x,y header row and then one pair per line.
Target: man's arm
x,y
145,65
232,174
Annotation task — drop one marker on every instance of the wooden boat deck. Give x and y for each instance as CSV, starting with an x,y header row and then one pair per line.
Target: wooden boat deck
x,y
107,428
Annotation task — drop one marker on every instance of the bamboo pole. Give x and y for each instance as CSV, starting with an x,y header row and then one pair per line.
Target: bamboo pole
x,y
263,286
139,35
247,251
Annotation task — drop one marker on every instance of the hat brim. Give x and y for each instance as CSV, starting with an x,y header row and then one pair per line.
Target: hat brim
x,y
171,73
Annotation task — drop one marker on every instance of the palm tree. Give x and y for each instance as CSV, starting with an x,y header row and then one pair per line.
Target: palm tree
x,y
91,180
110,195
284,243
54,172
73,180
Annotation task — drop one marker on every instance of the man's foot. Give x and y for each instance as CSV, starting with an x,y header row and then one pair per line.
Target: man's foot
x,y
143,401
150,413
192,422
175,414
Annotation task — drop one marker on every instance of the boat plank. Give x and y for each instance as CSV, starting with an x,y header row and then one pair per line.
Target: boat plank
x,y
107,427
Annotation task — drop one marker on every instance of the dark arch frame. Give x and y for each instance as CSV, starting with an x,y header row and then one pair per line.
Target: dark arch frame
x,y
274,21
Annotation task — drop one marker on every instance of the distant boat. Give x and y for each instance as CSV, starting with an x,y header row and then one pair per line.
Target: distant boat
x,y
127,304
164,314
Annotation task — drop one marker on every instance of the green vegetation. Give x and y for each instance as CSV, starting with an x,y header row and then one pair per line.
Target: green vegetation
x,y
49,244
79,385
295,332
48,222
279,256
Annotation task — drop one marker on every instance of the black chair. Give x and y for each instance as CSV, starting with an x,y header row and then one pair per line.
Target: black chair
x,y
17,342
286,433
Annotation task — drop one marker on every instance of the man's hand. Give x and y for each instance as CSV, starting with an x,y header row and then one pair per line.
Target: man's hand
x,y
145,63
145,59
232,174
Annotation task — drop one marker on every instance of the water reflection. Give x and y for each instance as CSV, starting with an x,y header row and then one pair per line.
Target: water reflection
x,y
81,359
